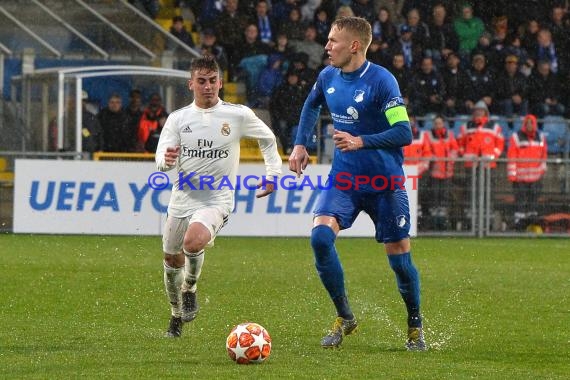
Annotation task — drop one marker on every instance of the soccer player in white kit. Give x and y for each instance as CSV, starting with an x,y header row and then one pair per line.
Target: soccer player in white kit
x,y
202,143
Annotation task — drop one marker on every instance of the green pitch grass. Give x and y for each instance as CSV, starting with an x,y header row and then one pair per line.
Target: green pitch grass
x,y
94,307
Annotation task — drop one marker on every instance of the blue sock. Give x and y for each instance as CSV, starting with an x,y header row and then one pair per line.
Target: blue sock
x,y
408,284
329,268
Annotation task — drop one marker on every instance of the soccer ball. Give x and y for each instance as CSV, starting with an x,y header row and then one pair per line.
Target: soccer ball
x,y
248,343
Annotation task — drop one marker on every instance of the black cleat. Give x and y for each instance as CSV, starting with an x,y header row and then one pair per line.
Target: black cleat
x,y
175,328
190,306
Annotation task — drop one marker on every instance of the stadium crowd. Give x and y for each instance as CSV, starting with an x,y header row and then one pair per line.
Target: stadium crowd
x,y
446,56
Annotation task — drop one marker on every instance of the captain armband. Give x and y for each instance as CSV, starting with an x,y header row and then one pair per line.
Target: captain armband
x,y
396,114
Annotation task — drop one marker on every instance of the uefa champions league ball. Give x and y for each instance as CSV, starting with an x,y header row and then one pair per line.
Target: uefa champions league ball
x,y
248,343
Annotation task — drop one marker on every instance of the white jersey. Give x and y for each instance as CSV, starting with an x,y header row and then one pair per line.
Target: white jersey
x,y
209,141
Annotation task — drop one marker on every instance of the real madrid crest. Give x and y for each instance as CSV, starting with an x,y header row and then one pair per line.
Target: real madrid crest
x,y
225,129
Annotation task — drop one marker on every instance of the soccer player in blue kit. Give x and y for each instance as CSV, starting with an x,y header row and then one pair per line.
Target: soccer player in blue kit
x,y
371,127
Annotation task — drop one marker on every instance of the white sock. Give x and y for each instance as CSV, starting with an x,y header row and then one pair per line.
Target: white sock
x,y
192,270
173,278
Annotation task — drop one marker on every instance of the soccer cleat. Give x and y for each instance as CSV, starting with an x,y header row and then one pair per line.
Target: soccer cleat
x,y
189,306
175,328
341,327
415,340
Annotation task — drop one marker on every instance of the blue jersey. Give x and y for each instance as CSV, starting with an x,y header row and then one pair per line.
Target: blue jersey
x,y
365,103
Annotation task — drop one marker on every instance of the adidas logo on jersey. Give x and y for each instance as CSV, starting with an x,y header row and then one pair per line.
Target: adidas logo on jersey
x,y
186,129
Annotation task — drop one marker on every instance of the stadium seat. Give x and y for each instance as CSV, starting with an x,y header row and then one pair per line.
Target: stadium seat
x,y
556,132
459,121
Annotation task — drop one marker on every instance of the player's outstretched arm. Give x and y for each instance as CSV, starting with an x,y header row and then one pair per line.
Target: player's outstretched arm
x,y
299,159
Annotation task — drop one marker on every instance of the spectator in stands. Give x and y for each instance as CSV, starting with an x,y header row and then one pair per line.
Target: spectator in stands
x,y
285,108
134,113
377,54
269,80
344,11
208,12
265,24
546,95
513,47
394,8
209,46
546,50
151,7
91,132
402,74
309,9
281,9
283,49
492,57
322,22
293,26
229,30
511,90
154,137
307,76
444,150
559,26
384,29
364,9
411,51
480,137
150,118
427,89
419,151
456,81
526,176
419,29
252,56
468,28
114,122
179,31
481,85
499,32
310,46
442,39
529,34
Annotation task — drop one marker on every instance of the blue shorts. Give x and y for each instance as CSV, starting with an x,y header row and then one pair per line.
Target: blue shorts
x,y
389,210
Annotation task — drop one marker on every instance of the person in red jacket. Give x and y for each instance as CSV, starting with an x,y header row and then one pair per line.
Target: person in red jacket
x,y
418,152
444,151
526,167
149,120
481,138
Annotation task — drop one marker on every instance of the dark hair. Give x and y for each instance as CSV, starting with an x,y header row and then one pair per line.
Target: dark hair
x,y
206,62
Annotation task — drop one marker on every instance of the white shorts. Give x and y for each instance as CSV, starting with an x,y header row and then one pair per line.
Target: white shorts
x,y
174,229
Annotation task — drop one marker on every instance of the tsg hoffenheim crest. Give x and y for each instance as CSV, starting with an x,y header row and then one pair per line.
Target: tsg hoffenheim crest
x,y
358,96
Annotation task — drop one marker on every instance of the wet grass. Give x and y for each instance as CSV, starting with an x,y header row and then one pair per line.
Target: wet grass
x,y
94,307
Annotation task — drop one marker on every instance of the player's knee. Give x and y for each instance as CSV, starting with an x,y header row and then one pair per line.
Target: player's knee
x,y
174,261
322,239
194,245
